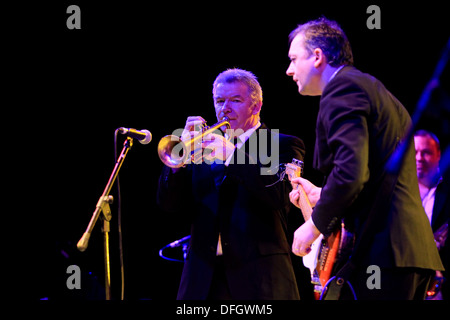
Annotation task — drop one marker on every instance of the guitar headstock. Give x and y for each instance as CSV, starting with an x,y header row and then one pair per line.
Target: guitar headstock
x,y
294,169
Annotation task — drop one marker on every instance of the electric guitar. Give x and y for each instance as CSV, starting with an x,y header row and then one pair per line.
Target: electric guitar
x,y
434,288
325,252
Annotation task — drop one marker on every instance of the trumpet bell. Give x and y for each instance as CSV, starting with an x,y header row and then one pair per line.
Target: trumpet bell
x,y
171,151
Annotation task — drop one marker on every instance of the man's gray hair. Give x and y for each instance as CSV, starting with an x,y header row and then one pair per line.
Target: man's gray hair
x,y
243,76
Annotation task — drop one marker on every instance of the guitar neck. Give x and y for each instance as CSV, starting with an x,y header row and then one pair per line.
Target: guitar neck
x,y
294,170
440,236
304,203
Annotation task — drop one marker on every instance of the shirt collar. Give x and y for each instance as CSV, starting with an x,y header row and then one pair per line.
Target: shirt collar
x,y
336,72
244,136
242,139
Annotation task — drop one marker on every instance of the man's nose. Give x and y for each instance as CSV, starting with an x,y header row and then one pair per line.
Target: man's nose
x,y
226,107
223,111
290,70
419,156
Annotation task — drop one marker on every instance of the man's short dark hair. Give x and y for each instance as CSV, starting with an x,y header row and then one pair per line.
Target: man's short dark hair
x,y
329,37
429,134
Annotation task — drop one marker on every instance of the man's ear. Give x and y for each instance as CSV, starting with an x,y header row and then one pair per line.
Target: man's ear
x,y
257,107
320,59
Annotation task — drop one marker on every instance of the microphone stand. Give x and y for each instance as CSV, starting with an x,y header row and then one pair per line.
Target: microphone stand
x,y
103,207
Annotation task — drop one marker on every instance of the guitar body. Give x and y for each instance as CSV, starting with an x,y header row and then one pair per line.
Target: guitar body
x,y
326,253
434,288
327,256
333,251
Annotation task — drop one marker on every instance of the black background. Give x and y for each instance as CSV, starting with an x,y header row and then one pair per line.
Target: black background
x,y
149,66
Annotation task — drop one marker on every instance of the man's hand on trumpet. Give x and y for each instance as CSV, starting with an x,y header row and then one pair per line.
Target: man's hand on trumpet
x,y
214,146
192,127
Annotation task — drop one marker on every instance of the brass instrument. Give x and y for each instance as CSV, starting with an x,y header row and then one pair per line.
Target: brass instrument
x,y
174,152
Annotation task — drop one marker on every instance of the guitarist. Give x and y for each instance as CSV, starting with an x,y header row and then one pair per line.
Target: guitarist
x,y
359,125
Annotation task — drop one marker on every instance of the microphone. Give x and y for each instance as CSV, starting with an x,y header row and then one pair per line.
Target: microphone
x,y
179,242
144,136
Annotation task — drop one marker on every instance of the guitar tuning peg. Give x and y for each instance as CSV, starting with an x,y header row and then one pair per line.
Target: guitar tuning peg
x,y
297,162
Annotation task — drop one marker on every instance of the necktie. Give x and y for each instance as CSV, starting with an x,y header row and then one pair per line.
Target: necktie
x,y
218,170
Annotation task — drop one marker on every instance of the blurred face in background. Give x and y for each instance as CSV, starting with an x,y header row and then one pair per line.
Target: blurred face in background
x,y
428,155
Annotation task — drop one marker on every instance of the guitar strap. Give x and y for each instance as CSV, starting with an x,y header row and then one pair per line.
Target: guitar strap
x,y
377,215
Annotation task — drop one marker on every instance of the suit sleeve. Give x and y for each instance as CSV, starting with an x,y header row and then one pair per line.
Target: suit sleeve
x,y
174,189
343,119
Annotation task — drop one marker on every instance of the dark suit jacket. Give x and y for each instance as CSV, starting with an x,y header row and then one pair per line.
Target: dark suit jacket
x,y
250,217
441,208
441,214
359,125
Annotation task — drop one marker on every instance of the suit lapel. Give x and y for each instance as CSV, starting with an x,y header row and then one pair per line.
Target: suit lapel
x,y
248,154
218,173
439,202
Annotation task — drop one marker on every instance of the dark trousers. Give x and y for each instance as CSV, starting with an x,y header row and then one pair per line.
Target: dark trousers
x,y
219,289
395,284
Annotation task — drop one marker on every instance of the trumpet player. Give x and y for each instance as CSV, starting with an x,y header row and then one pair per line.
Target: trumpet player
x,y
239,247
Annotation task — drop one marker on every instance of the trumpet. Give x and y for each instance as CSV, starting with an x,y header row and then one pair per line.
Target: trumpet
x,y
174,152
